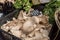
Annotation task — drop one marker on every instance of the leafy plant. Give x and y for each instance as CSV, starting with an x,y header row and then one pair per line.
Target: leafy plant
x,y
18,4
25,4
50,9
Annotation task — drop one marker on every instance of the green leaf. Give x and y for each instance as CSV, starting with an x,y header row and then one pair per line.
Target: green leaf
x,y
18,4
25,4
50,9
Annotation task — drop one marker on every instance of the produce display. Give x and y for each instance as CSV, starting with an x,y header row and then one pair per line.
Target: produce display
x,y
29,28
34,19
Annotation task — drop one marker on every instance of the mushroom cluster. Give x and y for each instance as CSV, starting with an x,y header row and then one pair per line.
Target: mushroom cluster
x,y
29,28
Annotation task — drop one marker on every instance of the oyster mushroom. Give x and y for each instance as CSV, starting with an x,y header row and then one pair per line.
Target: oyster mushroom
x,y
43,20
5,28
22,15
38,36
35,19
17,33
28,26
28,38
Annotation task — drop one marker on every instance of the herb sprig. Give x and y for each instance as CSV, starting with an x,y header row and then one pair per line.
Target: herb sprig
x,y
25,4
50,9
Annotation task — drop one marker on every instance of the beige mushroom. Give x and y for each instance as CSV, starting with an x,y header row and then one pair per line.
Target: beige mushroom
x,y
17,33
35,19
28,26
